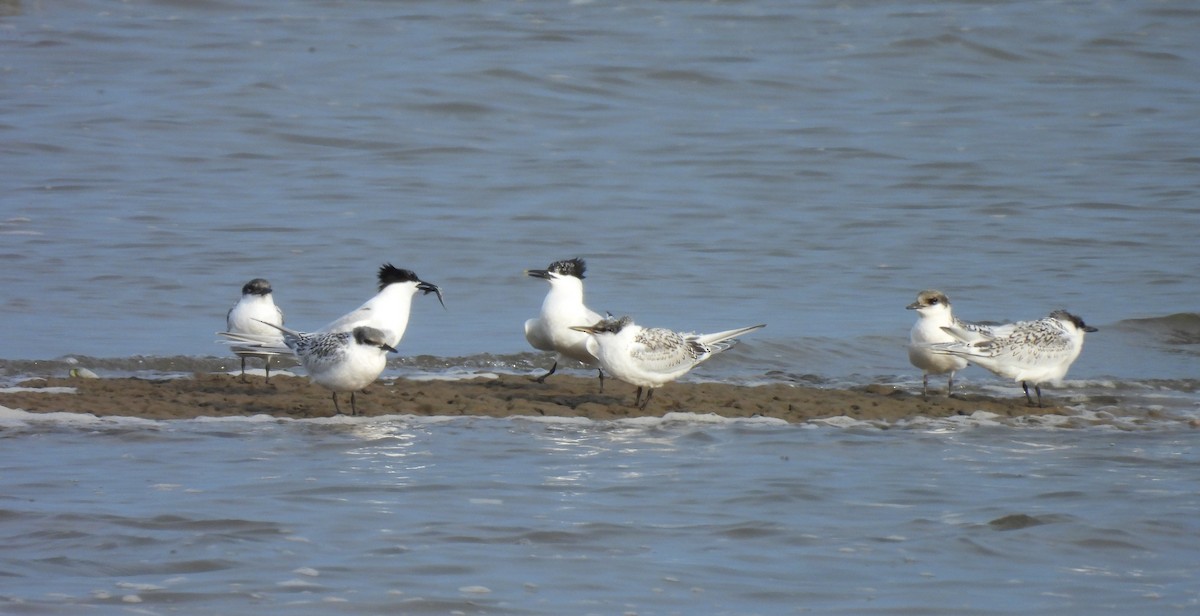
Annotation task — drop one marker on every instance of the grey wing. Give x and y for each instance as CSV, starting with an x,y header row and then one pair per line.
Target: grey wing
x,y
535,336
1030,341
970,332
662,350
303,344
978,328
349,320
323,349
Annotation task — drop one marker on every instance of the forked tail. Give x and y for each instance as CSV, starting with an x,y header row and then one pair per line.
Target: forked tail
x,y
720,341
259,343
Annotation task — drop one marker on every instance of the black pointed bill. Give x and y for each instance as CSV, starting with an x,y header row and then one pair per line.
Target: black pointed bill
x,y
429,287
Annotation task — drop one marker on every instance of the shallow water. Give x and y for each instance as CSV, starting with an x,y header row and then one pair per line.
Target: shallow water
x,y
677,516
808,165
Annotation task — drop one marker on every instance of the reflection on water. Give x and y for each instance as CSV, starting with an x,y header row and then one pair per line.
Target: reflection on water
x,y
484,515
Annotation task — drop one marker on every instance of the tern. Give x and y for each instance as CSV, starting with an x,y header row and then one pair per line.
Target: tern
x,y
562,310
340,361
1037,352
380,322
255,313
934,313
388,311
651,357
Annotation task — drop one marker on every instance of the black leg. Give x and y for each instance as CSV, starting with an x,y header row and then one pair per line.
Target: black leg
x,y
243,368
950,385
542,379
1028,400
1038,388
638,400
267,365
353,408
649,393
601,372
925,386
336,408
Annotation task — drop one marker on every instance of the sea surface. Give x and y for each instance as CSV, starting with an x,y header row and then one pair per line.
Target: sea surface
x,y
679,515
810,165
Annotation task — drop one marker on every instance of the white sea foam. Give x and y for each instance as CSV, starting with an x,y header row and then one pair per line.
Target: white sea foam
x,y
18,418
39,390
1080,417
256,372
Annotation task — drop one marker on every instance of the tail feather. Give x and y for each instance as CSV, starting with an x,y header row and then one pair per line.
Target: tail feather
x,y
288,334
965,335
254,343
720,341
967,349
245,351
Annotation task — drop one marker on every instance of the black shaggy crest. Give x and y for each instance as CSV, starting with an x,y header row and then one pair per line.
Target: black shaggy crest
x,y
390,274
569,267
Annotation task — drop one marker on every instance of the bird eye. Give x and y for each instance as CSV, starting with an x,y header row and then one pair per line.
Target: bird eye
x,y
933,300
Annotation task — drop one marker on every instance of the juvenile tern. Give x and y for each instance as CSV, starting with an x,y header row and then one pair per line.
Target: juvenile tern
x,y
255,313
650,358
563,309
1037,352
934,313
337,361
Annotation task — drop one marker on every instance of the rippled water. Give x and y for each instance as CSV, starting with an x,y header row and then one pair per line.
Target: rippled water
x,y
674,516
810,165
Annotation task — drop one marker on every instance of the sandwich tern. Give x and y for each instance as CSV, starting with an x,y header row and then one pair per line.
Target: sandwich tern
x,y
255,313
563,309
385,314
651,357
388,311
934,313
1037,352
337,361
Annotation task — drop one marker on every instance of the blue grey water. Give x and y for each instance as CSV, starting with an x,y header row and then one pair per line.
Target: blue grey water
x,y
810,165
491,516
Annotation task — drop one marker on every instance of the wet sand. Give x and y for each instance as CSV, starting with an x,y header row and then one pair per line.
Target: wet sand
x,y
223,395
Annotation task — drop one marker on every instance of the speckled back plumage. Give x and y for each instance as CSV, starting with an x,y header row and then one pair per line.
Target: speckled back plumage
x,y
1029,339
320,348
1037,351
665,350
